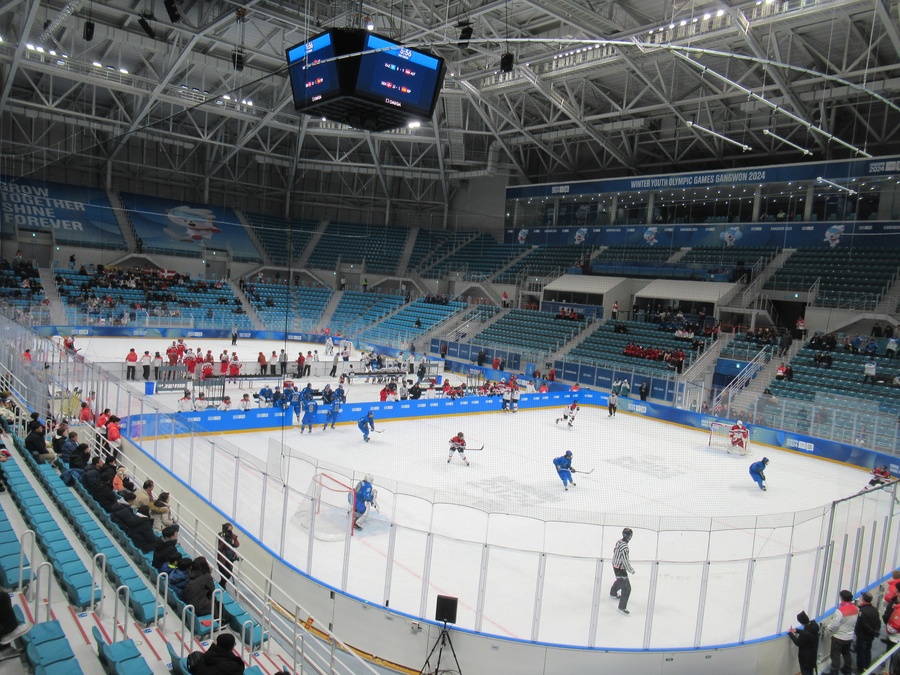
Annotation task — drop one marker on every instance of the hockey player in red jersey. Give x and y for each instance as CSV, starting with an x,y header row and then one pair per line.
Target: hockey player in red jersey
x,y
458,444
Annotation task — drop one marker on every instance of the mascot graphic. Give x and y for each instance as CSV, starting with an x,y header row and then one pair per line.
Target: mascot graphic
x,y
580,235
731,236
650,236
193,225
523,236
833,235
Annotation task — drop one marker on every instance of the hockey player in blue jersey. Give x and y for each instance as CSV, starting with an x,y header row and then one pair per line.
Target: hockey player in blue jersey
x,y
366,424
564,469
339,393
333,413
265,394
327,395
757,472
366,500
295,403
309,415
307,393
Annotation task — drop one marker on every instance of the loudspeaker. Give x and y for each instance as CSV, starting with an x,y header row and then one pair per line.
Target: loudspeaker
x,y
445,611
88,31
237,60
506,62
172,10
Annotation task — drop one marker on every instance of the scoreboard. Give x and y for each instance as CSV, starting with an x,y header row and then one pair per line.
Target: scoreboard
x,y
364,80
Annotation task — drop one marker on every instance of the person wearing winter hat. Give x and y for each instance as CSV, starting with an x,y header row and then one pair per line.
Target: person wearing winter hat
x,y
807,640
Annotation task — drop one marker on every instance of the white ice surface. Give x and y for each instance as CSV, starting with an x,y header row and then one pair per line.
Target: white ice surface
x,y
646,474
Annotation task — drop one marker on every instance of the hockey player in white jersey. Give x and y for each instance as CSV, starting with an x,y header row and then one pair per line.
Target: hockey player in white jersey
x,y
569,413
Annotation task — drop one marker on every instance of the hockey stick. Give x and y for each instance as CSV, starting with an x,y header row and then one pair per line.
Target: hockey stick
x,y
475,449
377,431
583,473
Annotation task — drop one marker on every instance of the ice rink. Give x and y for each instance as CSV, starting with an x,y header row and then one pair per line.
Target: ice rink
x,y
698,517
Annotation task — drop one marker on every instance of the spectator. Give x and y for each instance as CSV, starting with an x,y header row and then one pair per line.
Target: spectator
x,y
91,475
103,492
780,372
145,494
141,530
841,627
166,546
10,628
220,658
130,359
263,362
36,445
868,627
80,457
869,371
644,390
788,372
871,348
199,589
179,577
891,349
68,447
226,555
807,641
161,513
122,512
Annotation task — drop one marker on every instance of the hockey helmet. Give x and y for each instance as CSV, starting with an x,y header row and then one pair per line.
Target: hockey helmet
x,y
568,453
627,534
371,414
575,400
739,423
461,435
765,460
884,467
368,478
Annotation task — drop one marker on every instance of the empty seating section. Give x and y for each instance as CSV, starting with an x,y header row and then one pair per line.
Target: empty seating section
x,y
97,298
284,240
279,304
849,277
432,245
836,400
543,261
356,309
729,255
481,257
401,327
533,331
378,246
634,254
605,346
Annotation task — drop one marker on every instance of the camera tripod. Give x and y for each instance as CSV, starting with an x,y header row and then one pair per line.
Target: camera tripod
x,y
443,639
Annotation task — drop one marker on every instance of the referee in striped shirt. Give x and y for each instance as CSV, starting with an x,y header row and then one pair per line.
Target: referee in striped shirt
x,y
621,588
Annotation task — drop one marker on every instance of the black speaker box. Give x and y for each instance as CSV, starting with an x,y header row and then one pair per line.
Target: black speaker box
x,y
445,611
88,31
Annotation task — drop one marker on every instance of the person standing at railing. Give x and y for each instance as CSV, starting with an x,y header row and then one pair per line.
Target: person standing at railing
x,y
131,360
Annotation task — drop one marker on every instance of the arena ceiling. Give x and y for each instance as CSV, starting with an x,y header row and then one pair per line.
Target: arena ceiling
x,y
599,88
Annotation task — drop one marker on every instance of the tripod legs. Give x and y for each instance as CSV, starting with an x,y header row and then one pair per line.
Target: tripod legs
x,y
443,639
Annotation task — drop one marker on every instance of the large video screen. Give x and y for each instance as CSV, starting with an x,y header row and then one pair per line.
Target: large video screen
x,y
399,76
313,70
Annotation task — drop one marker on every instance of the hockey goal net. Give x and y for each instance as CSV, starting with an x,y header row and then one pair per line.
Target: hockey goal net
x,y
326,508
720,437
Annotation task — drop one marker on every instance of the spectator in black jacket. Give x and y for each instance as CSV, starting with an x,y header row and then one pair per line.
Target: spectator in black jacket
x,y
122,512
141,531
199,589
220,658
807,640
91,475
868,627
36,444
80,457
103,492
166,546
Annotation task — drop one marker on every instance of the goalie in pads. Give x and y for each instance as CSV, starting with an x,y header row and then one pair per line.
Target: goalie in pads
x,y
366,500
739,436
